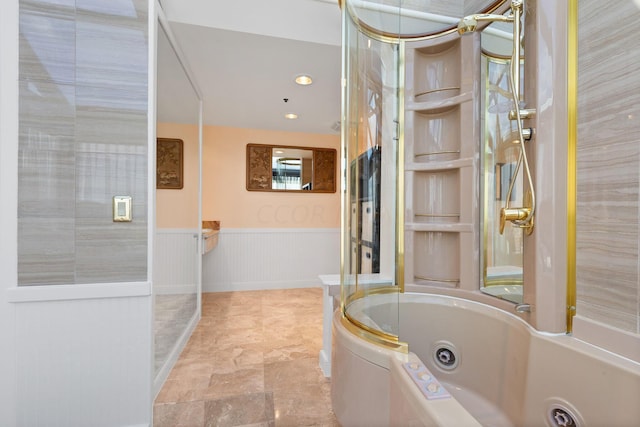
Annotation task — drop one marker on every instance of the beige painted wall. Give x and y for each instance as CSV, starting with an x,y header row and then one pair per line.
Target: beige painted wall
x,y
179,208
225,197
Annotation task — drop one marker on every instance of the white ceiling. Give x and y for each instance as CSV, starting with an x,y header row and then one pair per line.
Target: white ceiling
x,y
245,54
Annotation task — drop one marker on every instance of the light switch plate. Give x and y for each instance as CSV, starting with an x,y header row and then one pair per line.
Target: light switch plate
x,y
122,208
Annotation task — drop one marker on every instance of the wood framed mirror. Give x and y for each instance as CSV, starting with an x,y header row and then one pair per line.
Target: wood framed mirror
x,y
291,168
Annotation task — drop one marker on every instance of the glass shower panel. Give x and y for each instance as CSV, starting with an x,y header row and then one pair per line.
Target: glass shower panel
x,y
177,257
370,137
502,253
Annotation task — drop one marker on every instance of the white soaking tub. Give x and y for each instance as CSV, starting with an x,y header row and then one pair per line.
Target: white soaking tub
x,y
497,370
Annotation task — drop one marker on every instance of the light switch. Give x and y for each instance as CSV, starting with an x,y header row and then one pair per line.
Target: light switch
x,y
122,208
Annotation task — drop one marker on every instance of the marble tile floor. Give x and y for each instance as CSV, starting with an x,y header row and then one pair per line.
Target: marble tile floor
x,y
172,315
251,361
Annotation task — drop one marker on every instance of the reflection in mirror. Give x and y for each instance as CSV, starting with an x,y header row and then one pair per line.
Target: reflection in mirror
x,y
292,169
287,168
502,254
176,260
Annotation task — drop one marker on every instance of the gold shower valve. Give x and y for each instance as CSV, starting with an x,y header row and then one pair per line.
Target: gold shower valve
x,y
513,214
527,113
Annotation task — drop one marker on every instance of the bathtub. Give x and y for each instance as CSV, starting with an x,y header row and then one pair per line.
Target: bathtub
x,y
496,369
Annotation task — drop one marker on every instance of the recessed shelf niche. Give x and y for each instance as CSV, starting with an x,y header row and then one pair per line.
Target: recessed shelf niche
x,y
435,197
437,135
442,147
439,260
437,71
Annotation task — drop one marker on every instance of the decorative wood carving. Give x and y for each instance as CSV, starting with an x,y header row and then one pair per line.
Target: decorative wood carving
x,y
169,163
324,170
260,169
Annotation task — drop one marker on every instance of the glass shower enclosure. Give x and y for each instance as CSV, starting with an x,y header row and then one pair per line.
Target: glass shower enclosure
x,y
371,241
393,48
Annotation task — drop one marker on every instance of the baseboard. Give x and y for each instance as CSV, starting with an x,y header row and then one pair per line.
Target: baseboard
x,y
175,289
266,285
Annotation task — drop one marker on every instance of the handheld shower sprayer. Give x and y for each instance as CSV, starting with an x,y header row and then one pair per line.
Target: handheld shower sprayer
x,y
521,216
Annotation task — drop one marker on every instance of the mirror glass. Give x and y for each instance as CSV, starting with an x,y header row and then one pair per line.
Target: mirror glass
x,y
292,169
289,168
176,255
502,254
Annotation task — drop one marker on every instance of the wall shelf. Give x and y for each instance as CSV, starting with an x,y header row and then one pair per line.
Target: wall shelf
x,y
435,106
457,227
442,148
439,165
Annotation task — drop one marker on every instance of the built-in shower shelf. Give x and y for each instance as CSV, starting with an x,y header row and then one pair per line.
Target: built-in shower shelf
x,y
436,218
436,153
435,215
431,279
442,283
438,90
453,227
442,147
439,166
435,106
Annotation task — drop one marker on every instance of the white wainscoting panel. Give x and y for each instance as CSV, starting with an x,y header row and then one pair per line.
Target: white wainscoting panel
x,y
175,267
271,258
83,362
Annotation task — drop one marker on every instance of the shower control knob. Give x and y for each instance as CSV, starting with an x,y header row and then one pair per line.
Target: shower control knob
x,y
512,214
526,113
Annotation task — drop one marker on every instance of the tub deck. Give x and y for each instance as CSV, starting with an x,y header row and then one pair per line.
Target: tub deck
x,y
505,372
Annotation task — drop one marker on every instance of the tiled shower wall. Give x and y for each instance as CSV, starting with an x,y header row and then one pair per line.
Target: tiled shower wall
x,y
83,140
608,164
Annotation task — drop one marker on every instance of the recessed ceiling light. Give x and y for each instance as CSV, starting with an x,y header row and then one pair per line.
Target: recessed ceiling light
x,y
304,79
279,152
291,116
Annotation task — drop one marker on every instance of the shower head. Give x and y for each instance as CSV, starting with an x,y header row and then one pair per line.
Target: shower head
x,y
469,23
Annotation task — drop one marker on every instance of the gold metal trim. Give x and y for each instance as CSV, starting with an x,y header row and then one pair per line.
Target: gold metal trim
x,y
499,58
385,336
430,279
438,215
501,282
366,332
435,153
362,293
442,89
572,140
400,162
373,339
484,221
